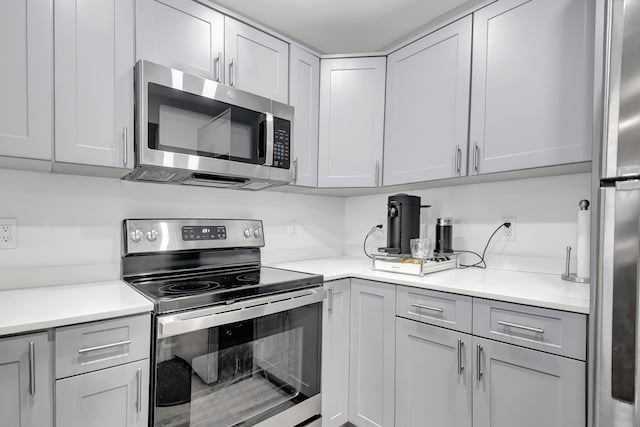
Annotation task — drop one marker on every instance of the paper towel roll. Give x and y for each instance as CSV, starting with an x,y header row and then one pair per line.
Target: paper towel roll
x,y
584,240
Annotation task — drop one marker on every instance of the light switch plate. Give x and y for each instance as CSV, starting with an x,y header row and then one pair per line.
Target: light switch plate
x,y
8,236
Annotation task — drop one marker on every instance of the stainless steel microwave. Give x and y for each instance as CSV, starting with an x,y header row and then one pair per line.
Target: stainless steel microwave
x,y
194,131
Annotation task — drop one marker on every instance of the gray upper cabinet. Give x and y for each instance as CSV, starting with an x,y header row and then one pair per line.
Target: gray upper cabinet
x,y
304,96
255,61
515,386
181,34
427,110
372,354
113,397
352,92
26,381
433,376
335,353
532,84
26,58
94,47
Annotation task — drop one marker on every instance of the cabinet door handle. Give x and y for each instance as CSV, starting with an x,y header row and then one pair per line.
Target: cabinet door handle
x,y
377,172
295,170
139,391
232,74
476,156
479,362
102,347
32,368
458,159
330,299
428,307
218,61
125,146
523,327
460,361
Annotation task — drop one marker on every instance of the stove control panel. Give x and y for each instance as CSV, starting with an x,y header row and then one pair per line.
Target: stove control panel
x,y
204,232
159,235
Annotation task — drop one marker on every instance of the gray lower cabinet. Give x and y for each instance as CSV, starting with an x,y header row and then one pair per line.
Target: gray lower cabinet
x,y
26,381
514,386
335,354
372,354
433,376
112,397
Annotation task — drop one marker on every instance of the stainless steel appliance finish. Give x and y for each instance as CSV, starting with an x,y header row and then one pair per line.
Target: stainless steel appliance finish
x,y
616,335
170,163
236,343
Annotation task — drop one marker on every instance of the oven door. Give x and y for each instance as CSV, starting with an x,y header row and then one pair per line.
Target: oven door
x,y
255,362
189,123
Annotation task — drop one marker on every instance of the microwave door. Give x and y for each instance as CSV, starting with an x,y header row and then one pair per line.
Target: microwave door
x,y
268,140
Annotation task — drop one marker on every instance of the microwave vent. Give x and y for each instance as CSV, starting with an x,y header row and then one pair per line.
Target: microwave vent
x,y
156,176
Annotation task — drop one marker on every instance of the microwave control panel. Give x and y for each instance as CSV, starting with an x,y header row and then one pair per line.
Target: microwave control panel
x,y
281,143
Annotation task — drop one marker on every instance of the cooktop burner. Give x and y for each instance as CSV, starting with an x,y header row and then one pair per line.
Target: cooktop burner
x,y
187,290
182,288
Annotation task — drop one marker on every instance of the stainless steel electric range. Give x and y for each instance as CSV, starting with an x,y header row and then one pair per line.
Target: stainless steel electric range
x,y
236,344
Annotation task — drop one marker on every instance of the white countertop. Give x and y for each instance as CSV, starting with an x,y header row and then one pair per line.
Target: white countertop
x,y
536,289
30,309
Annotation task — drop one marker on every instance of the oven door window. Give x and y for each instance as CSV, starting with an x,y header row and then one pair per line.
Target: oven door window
x,y
180,122
240,373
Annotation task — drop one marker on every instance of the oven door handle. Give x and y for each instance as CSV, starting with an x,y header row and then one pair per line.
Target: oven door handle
x,y
196,320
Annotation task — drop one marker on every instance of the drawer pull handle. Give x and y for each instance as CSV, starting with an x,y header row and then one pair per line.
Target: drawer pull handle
x,y
523,327
102,347
479,362
32,368
427,307
460,363
139,390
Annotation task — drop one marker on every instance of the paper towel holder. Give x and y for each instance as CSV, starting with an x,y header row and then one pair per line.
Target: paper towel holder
x,y
572,277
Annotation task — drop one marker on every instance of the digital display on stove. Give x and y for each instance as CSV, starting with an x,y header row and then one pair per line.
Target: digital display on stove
x,y
204,232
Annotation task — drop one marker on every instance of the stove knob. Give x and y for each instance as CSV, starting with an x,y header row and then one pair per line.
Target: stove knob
x,y
248,232
152,235
257,233
135,235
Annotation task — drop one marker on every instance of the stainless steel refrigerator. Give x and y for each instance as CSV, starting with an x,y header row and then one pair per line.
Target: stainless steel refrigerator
x,y
615,335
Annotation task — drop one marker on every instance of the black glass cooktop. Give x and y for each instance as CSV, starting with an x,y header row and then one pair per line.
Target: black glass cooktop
x,y
181,291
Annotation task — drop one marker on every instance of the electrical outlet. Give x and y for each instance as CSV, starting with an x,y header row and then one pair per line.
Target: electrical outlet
x,y
509,233
293,229
7,233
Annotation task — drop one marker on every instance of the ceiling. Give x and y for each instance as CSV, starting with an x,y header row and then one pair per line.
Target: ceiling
x,y
343,26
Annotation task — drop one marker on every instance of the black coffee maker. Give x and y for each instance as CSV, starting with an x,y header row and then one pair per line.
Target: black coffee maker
x,y
403,223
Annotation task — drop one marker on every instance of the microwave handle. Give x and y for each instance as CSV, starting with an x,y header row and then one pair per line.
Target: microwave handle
x,y
269,140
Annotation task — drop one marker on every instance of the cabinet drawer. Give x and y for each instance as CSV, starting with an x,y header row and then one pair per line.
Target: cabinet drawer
x,y
437,308
553,331
92,346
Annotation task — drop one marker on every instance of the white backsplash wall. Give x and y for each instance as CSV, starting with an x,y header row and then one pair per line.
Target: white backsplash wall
x,y
545,210
69,227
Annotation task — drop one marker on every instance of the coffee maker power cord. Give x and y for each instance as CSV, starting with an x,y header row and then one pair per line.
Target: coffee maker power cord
x,y
364,244
482,263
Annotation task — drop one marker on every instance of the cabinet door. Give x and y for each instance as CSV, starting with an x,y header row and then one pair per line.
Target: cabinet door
x,y
532,84
351,122
26,381
195,42
335,354
433,376
372,354
304,90
94,42
26,58
255,61
515,386
427,110
114,397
